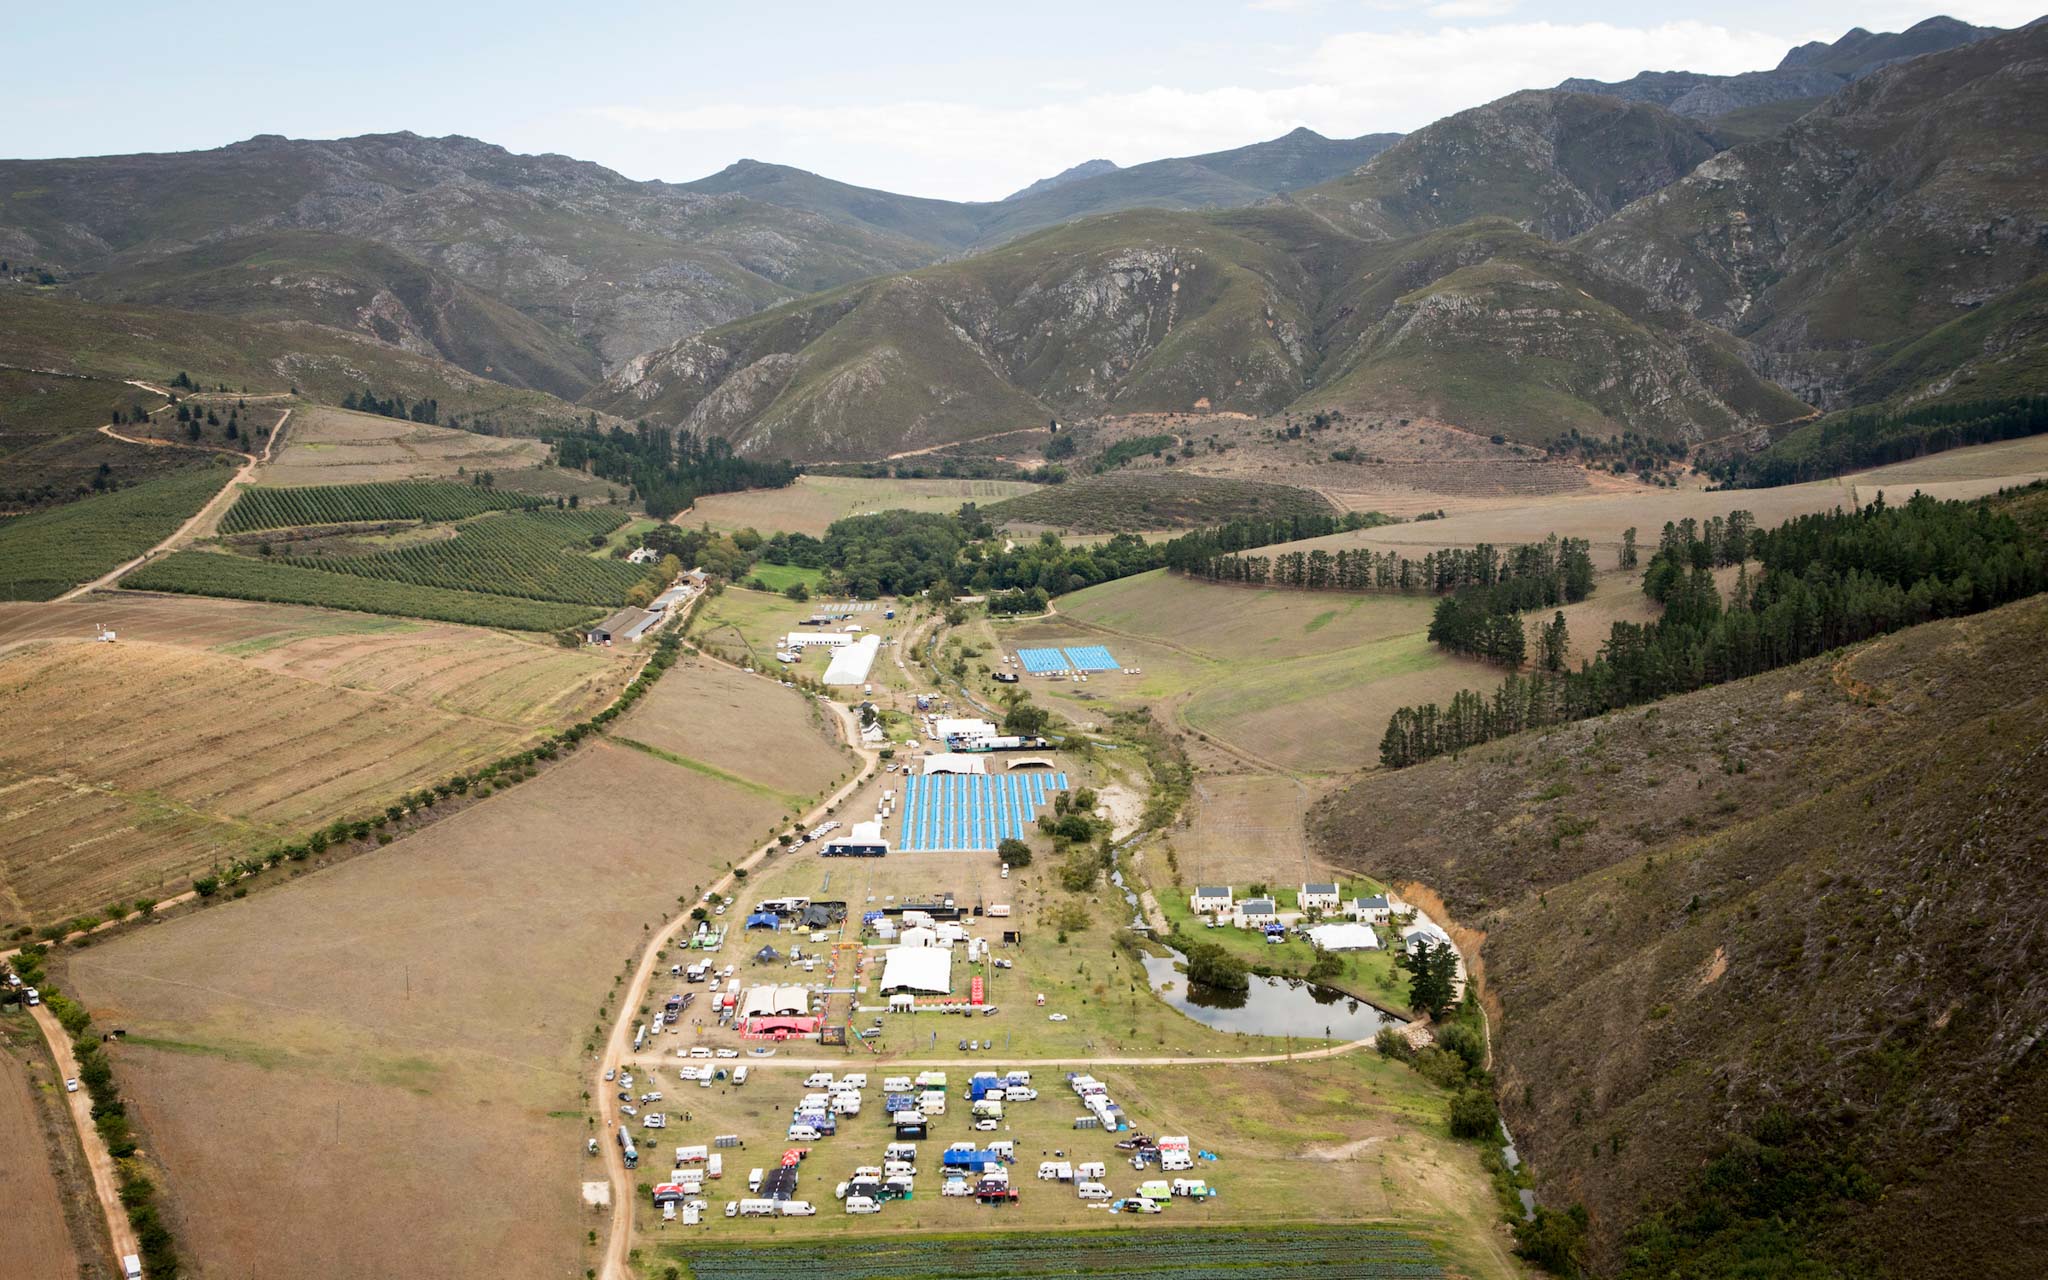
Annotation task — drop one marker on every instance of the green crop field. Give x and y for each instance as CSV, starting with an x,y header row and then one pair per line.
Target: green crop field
x,y
268,508
535,555
1307,1253
46,554
204,573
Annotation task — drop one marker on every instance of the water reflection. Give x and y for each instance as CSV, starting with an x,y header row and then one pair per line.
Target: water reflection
x,y
1269,1006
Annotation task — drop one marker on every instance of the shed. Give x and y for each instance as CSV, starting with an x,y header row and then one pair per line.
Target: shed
x,y
617,626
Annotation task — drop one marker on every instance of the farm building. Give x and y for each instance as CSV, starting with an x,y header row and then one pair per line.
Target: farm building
x,y
672,598
1320,897
924,970
808,639
1414,934
1257,913
954,762
1370,910
626,624
960,728
1344,937
864,841
643,555
851,664
1210,899
776,1001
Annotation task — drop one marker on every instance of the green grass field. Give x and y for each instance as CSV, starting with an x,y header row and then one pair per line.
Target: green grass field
x,y
202,573
46,554
780,577
1137,501
814,502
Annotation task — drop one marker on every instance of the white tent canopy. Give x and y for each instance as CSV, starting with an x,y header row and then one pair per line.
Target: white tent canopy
x,y
1344,937
928,970
952,762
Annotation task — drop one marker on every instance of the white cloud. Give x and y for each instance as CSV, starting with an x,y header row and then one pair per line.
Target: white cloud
x,y
1456,9
1283,6
1348,84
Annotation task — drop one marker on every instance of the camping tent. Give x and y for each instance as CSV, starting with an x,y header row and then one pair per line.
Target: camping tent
x,y
767,955
764,920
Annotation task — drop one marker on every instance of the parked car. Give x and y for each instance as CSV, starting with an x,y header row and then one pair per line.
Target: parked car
x,y
627,1107
1055,1017
728,1053
610,1072
71,1086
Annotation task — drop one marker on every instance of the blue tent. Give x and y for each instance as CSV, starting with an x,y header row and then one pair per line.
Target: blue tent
x,y
764,920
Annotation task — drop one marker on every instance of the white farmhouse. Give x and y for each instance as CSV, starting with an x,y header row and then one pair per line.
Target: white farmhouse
x,y
1370,910
1210,900
1320,897
1257,913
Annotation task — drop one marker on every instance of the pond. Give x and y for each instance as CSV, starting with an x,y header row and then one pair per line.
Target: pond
x,y
1271,1007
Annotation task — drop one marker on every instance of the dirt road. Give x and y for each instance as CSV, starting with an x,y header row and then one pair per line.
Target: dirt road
x,y
219,502
97,1157
618,1044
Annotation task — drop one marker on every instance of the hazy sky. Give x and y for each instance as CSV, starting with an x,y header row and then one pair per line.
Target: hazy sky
x,y
967,101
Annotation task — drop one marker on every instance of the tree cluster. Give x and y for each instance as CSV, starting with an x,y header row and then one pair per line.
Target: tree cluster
x,y
1827,580
1531,575
669,469
1869,438
428,410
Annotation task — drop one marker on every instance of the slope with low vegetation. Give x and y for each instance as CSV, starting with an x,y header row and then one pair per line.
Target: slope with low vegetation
x,y
1760,956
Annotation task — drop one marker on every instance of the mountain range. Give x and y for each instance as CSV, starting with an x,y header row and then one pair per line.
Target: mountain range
x,y
1684,262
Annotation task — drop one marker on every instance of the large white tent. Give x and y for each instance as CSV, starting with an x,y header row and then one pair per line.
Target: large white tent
x,y
851,663
1344,937
954,762
769,1000
926,970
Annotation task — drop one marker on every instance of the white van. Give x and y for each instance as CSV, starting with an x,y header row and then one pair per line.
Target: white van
x,y
908,1150
932,1102
899,1168
818,1080
1092,1191
798,1209
754,1177
739,1075
862,1204
804,1133
854,1080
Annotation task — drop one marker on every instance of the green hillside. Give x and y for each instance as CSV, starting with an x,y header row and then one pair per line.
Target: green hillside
x,y
1555,162
1906,201
359,287
46,554
40,330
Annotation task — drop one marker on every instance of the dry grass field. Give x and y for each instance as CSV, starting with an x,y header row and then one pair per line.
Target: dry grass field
x,y
389,1048
36,1240
814,502
1242,827
1602,516
325,445
704,711
129,767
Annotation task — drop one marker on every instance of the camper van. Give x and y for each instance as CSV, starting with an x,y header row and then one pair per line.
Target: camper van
x,y
1157,1189
818,1080
754,1177
862,1204
1055,1171
1091,1191
739,1075
757,1208
1091,1171
1193,1188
